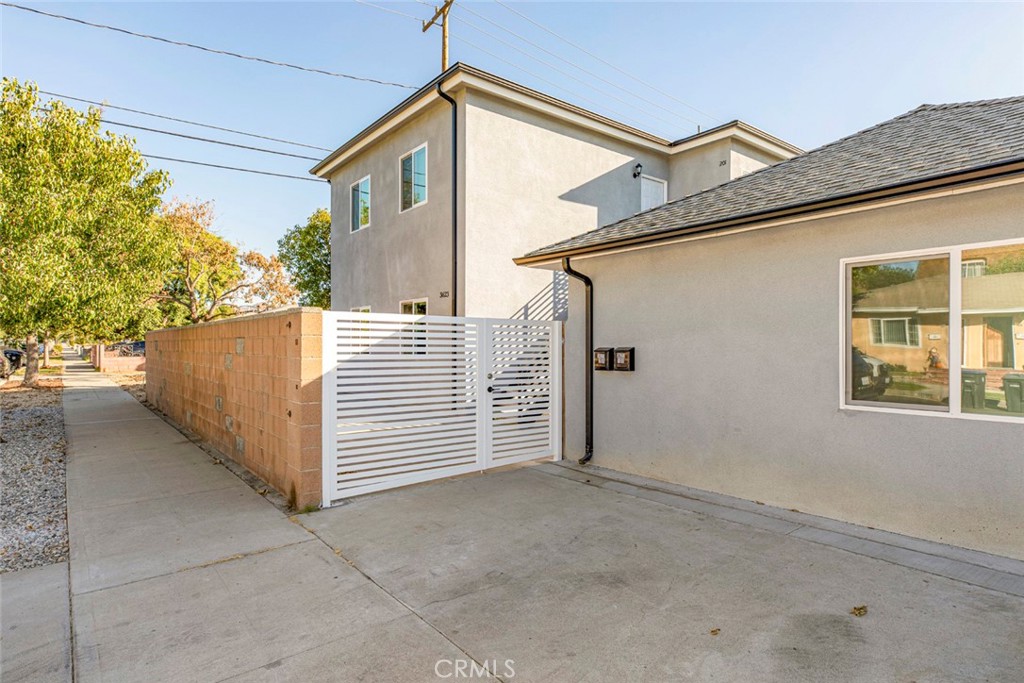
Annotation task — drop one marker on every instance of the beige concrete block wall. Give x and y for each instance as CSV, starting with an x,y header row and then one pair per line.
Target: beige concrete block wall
x,y
250,386
105,360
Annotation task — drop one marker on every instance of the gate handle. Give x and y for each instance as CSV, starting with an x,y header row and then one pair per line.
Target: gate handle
x,y
490,390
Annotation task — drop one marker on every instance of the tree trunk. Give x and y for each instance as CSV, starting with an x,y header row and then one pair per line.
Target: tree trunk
x,y
46,352
31,361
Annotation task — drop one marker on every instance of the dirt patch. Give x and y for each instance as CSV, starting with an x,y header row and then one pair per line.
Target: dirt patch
x,y
33,517
16,395
132,382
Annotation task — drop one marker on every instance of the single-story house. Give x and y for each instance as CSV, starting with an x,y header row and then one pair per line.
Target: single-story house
x,y
834,333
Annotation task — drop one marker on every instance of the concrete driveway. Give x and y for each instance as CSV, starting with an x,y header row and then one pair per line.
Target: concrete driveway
x,y
575,582
178,571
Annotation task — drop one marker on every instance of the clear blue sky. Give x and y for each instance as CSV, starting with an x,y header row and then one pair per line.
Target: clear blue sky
x,y
808,73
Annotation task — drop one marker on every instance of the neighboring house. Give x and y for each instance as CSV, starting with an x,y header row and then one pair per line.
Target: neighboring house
x,y
531,169
744,304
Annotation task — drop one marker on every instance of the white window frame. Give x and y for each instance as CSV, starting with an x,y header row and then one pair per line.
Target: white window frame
x,y
425,301
353,227
955,255
426,176
974,262
908,322
664,190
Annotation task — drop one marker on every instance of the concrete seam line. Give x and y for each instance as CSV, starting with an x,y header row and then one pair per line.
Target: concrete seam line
x,y
126,419
801,524
951,561
351,563
205,565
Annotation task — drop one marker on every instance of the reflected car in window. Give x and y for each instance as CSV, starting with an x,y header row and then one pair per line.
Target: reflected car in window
x,y
870,376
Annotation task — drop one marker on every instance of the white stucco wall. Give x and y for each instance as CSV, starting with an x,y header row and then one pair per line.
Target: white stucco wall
x,y
401,255
737,382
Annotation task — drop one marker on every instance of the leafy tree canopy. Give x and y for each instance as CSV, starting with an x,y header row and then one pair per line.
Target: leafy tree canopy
x,y
1009,264
79,251
210,277
305,251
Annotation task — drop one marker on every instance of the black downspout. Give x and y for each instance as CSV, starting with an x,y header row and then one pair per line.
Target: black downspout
x,y
455,199
589,315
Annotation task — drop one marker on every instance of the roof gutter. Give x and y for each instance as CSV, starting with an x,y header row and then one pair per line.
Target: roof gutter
x,y
977,174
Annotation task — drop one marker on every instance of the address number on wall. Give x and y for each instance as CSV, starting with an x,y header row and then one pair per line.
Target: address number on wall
x,y
445,295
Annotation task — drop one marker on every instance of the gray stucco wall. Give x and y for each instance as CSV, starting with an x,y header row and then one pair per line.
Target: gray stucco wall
x,y
401,255
737,382
532,180
699,169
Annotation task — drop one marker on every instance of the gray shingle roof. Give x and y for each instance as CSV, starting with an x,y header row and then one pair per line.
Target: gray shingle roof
x,y
932,140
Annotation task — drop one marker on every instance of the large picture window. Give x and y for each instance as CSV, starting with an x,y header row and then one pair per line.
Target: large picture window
x,y
920,325
361,204
414,178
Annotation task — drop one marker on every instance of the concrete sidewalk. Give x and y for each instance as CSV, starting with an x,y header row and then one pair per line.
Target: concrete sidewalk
x,y
181,572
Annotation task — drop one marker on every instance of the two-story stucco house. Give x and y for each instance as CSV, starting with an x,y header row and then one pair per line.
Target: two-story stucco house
x,y
433,200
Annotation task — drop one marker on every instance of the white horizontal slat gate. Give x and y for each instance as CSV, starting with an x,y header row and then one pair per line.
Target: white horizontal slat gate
x,y
410,398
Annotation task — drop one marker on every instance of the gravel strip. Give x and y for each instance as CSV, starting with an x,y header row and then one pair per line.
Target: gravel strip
x,y
33,503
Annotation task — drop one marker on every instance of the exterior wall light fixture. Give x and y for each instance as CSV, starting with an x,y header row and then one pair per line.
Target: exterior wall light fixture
x,y
637,170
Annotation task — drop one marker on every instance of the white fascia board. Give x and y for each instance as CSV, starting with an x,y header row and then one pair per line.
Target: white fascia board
x,y
467,79
329,165
572,115
737,131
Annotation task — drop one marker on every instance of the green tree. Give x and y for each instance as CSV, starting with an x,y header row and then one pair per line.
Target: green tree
x,y
79,250
305,251
1008,264
210,277
867,278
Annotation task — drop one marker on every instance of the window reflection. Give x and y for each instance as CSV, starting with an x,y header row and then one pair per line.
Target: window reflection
x,y
900,332
993,330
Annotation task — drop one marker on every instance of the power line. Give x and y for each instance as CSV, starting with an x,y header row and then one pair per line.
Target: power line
x,y
563,59
582,98
572,76
186,121
226,53
233,168
209,140
606,62
388,10
193,137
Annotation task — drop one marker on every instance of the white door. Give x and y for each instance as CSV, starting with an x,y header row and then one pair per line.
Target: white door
x,y
653,192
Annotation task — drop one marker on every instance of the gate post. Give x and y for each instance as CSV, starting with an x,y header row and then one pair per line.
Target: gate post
x,y
328,407
557,398
483,397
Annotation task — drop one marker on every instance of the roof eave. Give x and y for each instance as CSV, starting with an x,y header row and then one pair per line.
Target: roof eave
x,y
324,167
976,174
751,135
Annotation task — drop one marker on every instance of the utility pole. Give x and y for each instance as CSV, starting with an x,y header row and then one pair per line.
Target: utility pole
x,y
442,14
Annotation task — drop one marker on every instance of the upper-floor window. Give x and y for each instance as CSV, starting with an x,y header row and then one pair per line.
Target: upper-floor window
x,y
414,177
361,204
